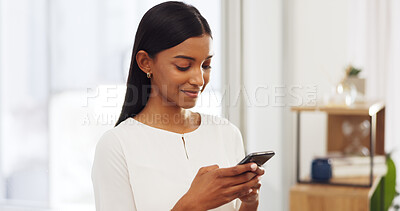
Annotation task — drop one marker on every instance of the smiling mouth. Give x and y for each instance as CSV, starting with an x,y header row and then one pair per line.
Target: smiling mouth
x,y
192,94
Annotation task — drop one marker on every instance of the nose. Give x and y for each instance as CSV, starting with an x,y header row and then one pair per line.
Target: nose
x,y
196,77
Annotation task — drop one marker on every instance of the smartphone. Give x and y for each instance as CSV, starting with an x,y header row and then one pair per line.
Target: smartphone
x,y
258,157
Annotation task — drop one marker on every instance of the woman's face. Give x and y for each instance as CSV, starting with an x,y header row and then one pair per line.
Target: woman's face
x,y
182,72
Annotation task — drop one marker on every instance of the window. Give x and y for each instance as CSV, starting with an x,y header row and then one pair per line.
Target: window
x,y
63,69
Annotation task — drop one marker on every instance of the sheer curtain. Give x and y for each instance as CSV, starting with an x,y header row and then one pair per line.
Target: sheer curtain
x,y
375,46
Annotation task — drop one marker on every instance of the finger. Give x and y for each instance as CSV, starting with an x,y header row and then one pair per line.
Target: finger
x,y
253,193
243,193
236,170
239,179
244,187
260,170
250,194
250,197
257,186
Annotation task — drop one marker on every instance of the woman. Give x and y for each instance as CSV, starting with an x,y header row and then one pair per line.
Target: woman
x,y
161,156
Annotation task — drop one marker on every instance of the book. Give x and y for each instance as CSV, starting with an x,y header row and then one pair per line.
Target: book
x,y
357,166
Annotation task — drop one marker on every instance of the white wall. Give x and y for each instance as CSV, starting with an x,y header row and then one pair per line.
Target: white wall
x,y
319,42
286,43
262,70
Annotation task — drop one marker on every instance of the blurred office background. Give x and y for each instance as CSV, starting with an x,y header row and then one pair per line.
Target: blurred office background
x,y
63,68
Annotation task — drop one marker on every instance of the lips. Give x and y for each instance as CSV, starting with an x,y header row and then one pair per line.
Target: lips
x,y
191,93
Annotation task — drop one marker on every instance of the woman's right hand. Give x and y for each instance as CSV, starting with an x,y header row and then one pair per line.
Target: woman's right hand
x,y
214,186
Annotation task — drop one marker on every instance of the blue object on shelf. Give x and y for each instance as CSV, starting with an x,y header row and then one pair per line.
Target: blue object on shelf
x,y
321,170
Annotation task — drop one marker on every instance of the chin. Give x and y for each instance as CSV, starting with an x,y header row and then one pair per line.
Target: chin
x,y
187,105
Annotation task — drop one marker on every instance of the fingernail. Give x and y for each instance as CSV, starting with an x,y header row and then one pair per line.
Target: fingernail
x,y
251,190
253,166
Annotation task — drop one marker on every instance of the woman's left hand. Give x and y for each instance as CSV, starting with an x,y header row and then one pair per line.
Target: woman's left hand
x,y
252,197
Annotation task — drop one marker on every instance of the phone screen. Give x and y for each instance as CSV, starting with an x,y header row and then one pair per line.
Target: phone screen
x,y
258,157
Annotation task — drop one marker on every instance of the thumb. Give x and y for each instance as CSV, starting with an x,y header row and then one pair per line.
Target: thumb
x,y
206,169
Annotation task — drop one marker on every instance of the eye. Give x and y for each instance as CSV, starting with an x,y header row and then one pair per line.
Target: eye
x,y
206,67
182,68
207,64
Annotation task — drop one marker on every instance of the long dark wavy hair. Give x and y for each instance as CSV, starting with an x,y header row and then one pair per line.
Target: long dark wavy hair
x,y
162,27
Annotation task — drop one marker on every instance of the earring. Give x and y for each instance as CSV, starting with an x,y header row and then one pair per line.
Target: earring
x,y
148,75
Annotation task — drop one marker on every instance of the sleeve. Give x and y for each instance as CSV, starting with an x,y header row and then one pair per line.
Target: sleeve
x,y
110,176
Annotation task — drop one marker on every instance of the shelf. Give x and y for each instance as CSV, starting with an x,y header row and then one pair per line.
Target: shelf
x,y
342,193
374,112
367,108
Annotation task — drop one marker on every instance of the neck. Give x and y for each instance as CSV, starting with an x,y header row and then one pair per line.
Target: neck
x,y
160,113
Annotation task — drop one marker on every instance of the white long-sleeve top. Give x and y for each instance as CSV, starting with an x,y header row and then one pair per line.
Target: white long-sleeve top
x,y
142,168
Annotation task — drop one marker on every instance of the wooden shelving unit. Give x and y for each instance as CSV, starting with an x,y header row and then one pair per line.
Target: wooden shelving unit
x,y
353,193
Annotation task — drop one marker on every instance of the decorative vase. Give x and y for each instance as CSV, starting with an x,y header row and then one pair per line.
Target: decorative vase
x,y
347,92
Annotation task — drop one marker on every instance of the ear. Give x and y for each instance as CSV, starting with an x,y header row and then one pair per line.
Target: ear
x,y
144,61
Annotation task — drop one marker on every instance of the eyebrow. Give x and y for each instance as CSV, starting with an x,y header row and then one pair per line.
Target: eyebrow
x,y
191,58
